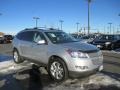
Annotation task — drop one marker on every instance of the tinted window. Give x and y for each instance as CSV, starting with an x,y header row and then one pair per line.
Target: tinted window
x,y
85,37
106,37
117,37
8,37
26,36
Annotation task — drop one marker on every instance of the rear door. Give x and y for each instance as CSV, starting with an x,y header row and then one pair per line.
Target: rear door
x,y
25,44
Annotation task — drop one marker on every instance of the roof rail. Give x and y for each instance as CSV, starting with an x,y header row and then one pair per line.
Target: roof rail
x,y
43,28
35,28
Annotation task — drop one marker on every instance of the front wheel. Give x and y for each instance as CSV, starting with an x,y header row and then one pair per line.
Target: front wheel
x,y
112,46
16,57
58,70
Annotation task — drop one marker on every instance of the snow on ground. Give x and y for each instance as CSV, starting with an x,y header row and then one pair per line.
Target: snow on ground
x,y
9,67
91,82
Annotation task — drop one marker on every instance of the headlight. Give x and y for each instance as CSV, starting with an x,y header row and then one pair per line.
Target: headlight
x,y
108,43
77,54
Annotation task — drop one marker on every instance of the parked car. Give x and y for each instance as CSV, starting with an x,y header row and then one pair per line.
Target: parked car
x,y
61,54
1,40
78,37
109,42
6,39
88,38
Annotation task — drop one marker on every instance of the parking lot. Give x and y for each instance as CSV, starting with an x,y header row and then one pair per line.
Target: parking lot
x,y
22,77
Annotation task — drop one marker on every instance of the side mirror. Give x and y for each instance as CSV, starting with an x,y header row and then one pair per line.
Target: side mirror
x,y
41,42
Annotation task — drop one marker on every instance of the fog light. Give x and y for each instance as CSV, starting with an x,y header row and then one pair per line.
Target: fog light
x,y
81,67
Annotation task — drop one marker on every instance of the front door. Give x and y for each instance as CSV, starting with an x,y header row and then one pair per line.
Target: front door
x,y
39,51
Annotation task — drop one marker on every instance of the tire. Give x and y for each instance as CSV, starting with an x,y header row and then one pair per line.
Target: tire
x,y
112,47
57,70
16,57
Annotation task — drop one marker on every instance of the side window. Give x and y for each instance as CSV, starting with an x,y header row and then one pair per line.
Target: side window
x,y
26,36
38,36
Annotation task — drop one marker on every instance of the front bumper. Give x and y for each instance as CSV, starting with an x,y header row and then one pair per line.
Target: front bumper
x,y
75,74
85,66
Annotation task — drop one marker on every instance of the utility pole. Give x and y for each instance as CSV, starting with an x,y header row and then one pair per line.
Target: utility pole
x,y
36,20
113,30
77,28
61,23
89,1
110,27
84,30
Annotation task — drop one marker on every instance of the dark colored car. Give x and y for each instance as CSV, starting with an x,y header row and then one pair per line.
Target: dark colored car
x,y
88,38
109,42
1,40
6,39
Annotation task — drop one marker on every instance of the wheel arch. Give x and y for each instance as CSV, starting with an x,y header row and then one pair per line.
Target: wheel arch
x,y
56,56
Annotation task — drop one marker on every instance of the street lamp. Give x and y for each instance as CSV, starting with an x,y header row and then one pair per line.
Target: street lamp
x,y
36,20
110,27
89,1
77,27
61,23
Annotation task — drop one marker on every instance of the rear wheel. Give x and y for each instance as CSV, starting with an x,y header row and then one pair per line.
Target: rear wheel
x,y
58,70
16,57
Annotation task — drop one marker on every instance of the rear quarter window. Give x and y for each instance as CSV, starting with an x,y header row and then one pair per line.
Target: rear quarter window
x,y
25,36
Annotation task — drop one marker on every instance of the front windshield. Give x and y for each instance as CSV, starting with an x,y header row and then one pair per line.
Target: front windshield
x,y
60,37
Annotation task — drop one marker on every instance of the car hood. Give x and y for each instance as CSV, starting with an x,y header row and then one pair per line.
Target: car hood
x,y
80,46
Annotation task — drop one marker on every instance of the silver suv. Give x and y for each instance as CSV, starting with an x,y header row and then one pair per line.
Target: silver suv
x,y
59,52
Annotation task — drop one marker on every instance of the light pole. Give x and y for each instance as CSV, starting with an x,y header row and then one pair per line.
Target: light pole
x,y
89,1
110,27
104,30
61,23
77,28
36,20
